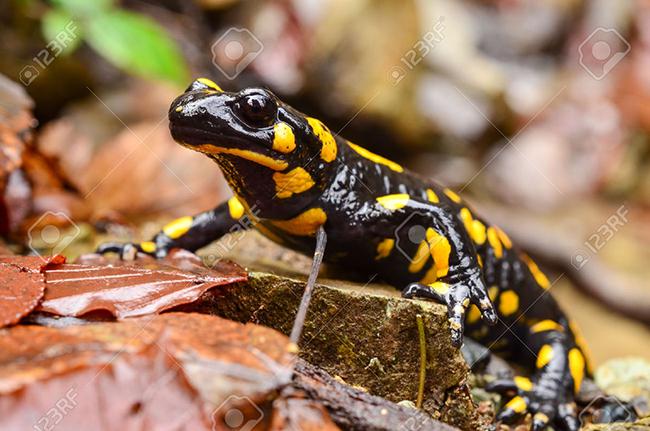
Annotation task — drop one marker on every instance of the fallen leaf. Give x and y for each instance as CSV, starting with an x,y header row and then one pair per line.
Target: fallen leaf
x,y
22,285
20,292
128,289
16,124
172,371
300,414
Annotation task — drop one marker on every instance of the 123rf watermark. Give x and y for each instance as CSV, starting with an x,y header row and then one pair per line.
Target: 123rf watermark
x,y
600,237
418,52
601,51
47,233
234,50
56,414
47,55
237,414
235,234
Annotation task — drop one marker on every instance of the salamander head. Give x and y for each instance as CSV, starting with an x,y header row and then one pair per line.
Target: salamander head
x,y
256,139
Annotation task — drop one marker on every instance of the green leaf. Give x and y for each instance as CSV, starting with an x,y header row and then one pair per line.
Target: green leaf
x,y
136,44
83,7
61,31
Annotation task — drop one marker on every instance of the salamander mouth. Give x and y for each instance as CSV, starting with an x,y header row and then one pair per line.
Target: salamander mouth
x,y
214,144
190,136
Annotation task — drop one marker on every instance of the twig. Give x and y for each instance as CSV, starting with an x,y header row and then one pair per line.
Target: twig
x,y
423,359
299,323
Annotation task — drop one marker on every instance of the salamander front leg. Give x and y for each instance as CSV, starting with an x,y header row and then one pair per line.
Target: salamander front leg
x,y
190,232
457,293
455,279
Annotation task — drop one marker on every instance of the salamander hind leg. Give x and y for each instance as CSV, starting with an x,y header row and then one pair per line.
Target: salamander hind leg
x,y
549,394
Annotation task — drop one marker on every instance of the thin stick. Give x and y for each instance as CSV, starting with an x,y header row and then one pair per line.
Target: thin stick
x,y
423,360
299,323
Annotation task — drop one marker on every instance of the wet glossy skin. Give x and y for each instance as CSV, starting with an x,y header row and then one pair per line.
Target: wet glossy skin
x,y
291,175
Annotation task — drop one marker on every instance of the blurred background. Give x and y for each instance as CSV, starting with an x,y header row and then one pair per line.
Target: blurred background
x,y
537,111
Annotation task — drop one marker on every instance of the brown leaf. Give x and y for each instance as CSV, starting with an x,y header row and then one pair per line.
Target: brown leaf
x,y
173,371
16,123
127,289
20,291
300,414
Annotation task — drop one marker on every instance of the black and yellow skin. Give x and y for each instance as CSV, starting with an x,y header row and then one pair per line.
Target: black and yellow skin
x,y
290,175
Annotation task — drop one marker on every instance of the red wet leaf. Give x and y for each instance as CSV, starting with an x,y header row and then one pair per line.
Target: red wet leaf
x,y
20,290
127,289
34,263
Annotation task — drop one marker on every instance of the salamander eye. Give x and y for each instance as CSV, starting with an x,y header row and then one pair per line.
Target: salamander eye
x,y
257,109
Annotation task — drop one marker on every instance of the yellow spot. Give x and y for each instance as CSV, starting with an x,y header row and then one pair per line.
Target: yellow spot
x,y
178,227
523,383
477,232
211,84
475,228
473,314
296,180
432,196
453,196
376,158
546,325
235,208
305,224
260,159
440,251
480,260
284,140
493,239
518,404
328,149
576,367
466,217
440,288
393,202
540,417
544,355
453,324
148,246
505,239
582,344
420,258
534,269
384,248
179,109
508,302
493,291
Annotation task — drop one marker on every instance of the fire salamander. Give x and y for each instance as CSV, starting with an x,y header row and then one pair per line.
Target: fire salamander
x,y
291,175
